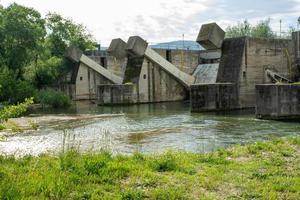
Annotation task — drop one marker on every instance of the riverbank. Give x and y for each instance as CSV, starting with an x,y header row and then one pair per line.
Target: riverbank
x,y
265,170
32,123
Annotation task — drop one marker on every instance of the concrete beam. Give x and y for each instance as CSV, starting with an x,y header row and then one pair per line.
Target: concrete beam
x,y
117,48
139,47
136,46
101,70
184,78
211,36
77,56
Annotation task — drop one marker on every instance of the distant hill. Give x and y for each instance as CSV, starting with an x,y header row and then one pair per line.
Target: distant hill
x,y
187,44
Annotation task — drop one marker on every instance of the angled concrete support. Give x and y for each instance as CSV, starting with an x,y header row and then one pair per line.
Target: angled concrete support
x,y
139,47
77,56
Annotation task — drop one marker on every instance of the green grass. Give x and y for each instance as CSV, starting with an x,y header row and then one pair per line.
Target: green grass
x,y
265,170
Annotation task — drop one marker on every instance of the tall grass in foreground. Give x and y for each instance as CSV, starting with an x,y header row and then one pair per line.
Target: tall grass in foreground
x,y
265,170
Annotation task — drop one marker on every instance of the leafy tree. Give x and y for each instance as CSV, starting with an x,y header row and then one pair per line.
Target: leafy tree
x,y
240,30
48,72
261,30
32,50
64,32
22,30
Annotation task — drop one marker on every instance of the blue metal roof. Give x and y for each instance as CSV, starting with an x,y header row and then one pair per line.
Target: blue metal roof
x,y
187,44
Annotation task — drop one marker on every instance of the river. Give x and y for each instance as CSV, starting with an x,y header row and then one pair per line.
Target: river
x,y
147,128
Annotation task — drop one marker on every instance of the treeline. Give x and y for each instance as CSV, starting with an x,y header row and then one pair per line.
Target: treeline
x,y
32,49
262,29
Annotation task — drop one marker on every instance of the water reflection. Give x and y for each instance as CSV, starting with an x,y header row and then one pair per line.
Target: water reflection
x,y
147,128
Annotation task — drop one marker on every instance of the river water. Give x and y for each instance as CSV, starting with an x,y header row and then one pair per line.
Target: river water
x,y
148,128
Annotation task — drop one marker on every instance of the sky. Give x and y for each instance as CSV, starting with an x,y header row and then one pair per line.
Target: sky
x,y
164,20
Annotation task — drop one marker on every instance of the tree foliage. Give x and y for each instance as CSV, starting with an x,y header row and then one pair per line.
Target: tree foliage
x,y
64,32
32,49
22,30
261,30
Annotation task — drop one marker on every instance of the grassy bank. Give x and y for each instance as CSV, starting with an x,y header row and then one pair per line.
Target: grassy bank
x,y
266,170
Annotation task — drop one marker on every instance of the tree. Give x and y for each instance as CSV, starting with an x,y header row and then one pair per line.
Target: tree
x,y
261,30
64,32
22,31
240,30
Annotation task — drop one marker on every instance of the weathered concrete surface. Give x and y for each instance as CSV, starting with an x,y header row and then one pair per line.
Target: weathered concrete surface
x,y
260,55
211,36
185,60
296,44
231,60
136,46
139,47
86,83
77,56
101,70
211,54
278,101
206,73
117,94
214,97
156,85
89,74
182,77
117,48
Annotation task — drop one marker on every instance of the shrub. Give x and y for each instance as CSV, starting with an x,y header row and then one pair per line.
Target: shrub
x,y
14,91
53,98
15,110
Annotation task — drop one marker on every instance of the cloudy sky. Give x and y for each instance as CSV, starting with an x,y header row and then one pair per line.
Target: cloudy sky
x,y
164,20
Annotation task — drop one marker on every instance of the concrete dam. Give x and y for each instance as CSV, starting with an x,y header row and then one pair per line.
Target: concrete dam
x,y
231,73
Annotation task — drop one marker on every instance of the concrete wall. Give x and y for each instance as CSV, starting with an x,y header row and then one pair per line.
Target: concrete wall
x,y
116,94
185,60
155,85
278,101
117,66
259,55
243,63
296,44
213,97
86,83
151,84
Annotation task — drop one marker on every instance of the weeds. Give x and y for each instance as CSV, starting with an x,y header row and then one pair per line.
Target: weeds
x,y
271,170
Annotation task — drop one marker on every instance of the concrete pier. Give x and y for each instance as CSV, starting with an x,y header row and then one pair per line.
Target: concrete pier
x,y
278,101
116,94
214,97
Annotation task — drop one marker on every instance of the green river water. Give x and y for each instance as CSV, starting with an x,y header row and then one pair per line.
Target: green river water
x,y
148,128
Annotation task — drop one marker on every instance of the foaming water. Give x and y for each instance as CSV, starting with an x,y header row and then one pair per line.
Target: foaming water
x,y
147,128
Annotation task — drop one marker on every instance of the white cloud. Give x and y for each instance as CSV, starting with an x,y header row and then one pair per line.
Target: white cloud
x,y
160,20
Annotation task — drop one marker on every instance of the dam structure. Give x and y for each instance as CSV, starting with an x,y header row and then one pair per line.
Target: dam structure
x,y
225,74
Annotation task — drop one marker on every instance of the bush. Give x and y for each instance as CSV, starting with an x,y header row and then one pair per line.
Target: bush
x,y
53,98
14,91
16,110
